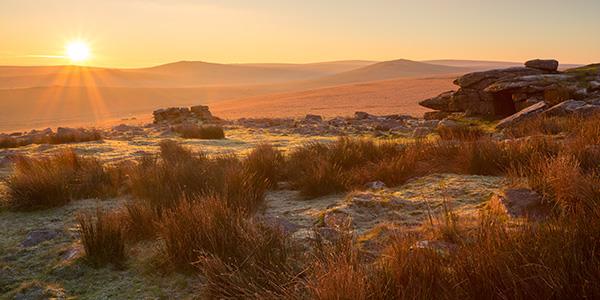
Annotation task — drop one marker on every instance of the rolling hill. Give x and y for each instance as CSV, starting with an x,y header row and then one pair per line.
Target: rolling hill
x,y
35,97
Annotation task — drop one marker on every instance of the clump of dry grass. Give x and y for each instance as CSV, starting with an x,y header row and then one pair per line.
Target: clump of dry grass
x,y
140,221
180,173
38,183
103,239
266,162
320,169
461,132
206,132
238,256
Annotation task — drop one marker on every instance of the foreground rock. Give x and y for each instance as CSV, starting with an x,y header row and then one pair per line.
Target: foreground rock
x,y
519,203
504,92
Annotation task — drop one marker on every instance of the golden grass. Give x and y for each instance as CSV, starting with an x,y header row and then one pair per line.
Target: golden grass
x,y
103,239
38,183
205,132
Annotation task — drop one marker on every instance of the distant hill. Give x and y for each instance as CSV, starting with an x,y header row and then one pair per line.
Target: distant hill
x,y
181,74
390,69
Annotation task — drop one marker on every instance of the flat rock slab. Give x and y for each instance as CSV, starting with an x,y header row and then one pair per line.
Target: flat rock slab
x,y
523,115
36,237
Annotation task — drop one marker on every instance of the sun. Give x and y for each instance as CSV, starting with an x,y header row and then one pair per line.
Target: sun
x,y
78,51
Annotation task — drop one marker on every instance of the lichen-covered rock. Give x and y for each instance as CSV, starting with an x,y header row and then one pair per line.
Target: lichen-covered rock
x,y
523,115
543,64
503,92
313,118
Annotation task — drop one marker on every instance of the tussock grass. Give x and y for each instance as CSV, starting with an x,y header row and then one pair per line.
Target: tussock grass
x,y
180,173
266,162
38,183
102,236
461,132
205,132
238,256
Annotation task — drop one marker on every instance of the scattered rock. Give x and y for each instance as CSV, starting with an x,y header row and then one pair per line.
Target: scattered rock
x,y
337,219
285,225
420,132
361,115
313,118
525,114
447,123
440,247
36,237
520,202
375,185
564,108
38,291
435,115
543,64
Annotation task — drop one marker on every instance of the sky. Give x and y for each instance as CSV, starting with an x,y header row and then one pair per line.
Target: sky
x,y
136,33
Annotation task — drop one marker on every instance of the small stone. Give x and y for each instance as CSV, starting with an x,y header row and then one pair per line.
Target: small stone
x,y
38,236
313,118
337,219
440,247
361,115
375,185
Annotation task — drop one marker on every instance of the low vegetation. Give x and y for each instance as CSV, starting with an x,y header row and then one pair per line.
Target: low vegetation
x,y
102,236
205,132
61,137
53,181
202,209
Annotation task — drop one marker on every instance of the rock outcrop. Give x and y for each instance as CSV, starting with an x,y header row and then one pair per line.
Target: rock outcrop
x,y
504,92
178,115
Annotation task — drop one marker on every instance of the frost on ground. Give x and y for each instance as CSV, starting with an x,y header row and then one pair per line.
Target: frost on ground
x,y
409,205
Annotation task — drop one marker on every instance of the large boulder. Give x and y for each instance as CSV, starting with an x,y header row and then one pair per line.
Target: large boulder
x,y
440,102
523,115
201,112
543,64
503,92
178,115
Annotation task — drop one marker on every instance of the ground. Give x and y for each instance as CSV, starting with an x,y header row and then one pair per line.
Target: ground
x,y
54,266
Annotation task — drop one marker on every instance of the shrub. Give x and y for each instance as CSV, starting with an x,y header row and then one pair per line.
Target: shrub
x,y
321,178
461,133
179,173
38,183
69,135
266,162
562,182
207,132
102,238
238,257
140,221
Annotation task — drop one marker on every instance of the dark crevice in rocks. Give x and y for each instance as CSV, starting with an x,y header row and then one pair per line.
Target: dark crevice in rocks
x,y
504,105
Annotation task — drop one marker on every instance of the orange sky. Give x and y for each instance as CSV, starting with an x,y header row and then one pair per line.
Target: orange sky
x,y
142,33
